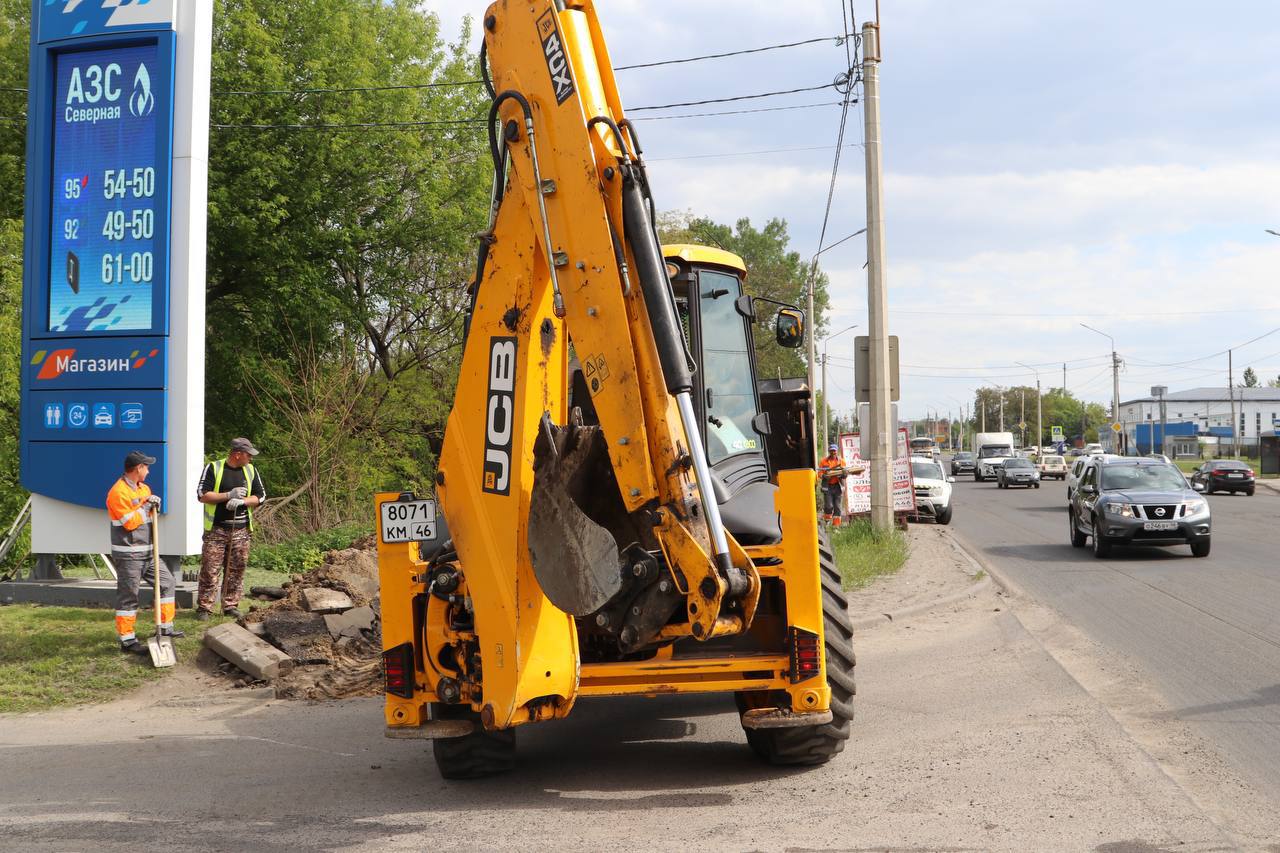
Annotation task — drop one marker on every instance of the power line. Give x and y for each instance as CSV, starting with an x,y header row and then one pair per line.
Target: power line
x,y
731,100
741,112
1069,316
1216,354
749,154
837,39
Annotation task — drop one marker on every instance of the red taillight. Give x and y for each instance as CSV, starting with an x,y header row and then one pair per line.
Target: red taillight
x,y
397,670
1249,472
806,655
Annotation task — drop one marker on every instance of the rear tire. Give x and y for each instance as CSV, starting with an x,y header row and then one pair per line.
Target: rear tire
x,y
1249,492
1078,539
1200,548
474,756
811,745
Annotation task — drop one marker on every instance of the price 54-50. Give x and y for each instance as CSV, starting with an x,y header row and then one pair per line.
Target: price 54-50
x,y
138,225
140,183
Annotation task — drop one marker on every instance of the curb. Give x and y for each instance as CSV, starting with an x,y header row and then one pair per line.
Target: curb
x,y
863,623
1007,586
1269,486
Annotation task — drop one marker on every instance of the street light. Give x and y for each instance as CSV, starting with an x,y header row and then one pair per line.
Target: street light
x,y
826,405
1115,384
813,276
1039,410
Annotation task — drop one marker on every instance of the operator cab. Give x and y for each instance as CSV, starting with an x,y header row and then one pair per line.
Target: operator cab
x,y
739,433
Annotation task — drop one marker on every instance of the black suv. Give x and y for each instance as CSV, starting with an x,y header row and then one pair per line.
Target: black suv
x,y
962,463
1122,501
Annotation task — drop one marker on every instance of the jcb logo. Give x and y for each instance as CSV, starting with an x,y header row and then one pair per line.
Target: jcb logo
x,y
557,62
499,415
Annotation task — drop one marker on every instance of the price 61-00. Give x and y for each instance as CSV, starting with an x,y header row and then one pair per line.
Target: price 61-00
x,y
139,267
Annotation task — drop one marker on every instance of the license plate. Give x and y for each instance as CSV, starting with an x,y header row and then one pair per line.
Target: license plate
x,y
407,521
1236,476
1160,525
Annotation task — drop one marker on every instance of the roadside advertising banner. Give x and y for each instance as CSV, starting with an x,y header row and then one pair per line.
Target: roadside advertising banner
x,y
857,487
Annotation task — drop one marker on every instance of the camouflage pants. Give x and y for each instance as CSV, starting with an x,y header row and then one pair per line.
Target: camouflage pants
x,y
224,548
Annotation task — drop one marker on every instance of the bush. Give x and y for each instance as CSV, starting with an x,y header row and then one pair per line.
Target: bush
x,y
303,553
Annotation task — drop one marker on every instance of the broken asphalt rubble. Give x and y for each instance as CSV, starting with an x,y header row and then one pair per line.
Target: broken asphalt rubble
x,y
326,622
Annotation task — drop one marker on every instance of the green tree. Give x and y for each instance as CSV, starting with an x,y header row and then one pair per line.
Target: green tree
x,y
1250,378
774,271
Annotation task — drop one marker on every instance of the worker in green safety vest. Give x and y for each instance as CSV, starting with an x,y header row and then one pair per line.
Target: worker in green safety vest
x,y
230,489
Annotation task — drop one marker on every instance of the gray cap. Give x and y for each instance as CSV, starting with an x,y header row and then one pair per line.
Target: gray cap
x,y
136,458
244,444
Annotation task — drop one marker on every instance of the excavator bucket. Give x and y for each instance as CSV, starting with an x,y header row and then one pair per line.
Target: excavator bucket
x,y
575,559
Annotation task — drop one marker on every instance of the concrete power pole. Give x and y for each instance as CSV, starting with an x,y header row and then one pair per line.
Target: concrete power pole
x,y
883,430
1231,392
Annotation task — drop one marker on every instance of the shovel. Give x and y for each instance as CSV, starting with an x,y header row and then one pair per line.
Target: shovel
x,y
160,647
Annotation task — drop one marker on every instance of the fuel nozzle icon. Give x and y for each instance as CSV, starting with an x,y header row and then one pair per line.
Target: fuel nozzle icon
x,y
73,272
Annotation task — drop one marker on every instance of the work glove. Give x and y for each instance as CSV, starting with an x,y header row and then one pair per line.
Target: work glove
x,y
239,492
234,504
153,501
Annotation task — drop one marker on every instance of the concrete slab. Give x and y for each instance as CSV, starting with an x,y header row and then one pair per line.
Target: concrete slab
x,y
349,623
84,593
319,599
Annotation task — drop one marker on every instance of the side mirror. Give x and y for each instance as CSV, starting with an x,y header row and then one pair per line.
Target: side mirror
x,y
789,328
1088,490
1199,487
951,479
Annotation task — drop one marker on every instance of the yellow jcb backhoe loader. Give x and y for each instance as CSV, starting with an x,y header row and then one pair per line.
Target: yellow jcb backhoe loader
x,y
622,507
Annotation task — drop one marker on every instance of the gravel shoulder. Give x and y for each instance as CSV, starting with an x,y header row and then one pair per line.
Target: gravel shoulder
x,y
969,736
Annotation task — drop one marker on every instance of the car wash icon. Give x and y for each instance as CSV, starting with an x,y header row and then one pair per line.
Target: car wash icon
x,y
104,415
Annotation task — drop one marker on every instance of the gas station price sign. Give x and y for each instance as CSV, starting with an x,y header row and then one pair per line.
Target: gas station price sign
x,y
107,265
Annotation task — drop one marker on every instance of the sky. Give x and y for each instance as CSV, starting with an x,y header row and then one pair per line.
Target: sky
x,y
1046,164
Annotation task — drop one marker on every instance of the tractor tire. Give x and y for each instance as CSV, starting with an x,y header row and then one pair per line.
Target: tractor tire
x,y
474,756
812,745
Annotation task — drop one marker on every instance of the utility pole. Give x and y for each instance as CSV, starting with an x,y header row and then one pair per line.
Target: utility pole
x,y
1022,417
1001,408
883,430
1039,401
1115,387
984,415
826,416
1231,392
1064,379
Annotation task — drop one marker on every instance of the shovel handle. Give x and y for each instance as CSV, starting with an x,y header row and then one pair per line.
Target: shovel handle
x,y
155,563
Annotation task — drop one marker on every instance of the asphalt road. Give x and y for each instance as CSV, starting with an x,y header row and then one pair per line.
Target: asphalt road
x,y
1205,631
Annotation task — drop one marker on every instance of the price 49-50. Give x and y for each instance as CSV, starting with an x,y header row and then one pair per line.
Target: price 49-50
x,y
139,267
138,225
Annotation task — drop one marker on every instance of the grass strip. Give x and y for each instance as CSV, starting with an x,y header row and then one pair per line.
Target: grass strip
x,y
864,553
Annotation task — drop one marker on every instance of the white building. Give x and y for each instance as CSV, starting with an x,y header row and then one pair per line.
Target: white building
x,y
1256,410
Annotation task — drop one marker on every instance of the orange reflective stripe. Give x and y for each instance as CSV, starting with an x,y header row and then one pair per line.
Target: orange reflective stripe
x,y
167,610
125,624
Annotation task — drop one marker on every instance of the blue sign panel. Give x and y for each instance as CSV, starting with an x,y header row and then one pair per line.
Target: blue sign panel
x,y
102,270
96,262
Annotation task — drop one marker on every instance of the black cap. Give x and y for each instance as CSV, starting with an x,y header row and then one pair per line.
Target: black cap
x,y
245,445
136,458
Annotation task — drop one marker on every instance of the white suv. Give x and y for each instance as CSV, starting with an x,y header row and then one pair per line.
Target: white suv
x,y
933,489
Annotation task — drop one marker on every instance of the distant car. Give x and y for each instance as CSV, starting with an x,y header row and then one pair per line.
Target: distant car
x,y
933,489
962,463
1052,466
1092,449
1017,472
1123,501
1224,475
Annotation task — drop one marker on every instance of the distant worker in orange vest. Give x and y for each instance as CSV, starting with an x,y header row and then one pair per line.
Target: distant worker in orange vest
x,y
132,507
832,474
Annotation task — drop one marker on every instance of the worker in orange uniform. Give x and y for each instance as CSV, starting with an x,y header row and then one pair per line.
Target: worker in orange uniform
x,y
132,507
831,471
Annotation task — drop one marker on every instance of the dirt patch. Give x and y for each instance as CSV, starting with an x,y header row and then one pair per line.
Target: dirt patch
x,y
329,664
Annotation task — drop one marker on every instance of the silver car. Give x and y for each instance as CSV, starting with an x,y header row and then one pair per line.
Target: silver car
x,y
1017,472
